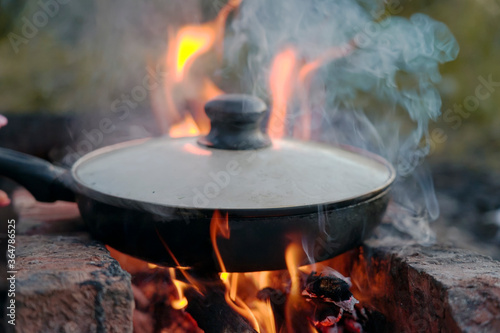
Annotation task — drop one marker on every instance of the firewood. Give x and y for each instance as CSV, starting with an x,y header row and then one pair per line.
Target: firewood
x,y
212,313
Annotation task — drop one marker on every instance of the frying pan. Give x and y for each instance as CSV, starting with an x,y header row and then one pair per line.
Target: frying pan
x,y
154,199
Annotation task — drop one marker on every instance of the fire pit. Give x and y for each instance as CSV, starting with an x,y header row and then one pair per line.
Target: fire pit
x,y
407,287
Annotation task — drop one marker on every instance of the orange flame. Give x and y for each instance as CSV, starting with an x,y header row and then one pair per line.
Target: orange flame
x,y
289,78
187,89
219,226
181,302
292,258
127,262
295,305
190,43
187,127
281,86
265,316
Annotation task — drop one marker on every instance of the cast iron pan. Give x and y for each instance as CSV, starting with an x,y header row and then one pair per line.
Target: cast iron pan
x,y
138,196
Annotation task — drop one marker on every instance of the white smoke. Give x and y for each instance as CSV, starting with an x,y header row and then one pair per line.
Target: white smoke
x,y
365,98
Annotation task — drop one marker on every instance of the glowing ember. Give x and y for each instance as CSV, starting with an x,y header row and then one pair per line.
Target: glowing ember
x,y
313,298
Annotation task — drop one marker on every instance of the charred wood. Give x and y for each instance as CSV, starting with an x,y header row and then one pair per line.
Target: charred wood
x,y
212,313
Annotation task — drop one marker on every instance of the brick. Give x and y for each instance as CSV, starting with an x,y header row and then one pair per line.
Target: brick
x,y
426,289
70,284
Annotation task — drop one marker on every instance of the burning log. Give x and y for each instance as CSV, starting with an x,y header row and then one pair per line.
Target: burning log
x,y
156,308
329,306
277,299
330,289
330,296
211,311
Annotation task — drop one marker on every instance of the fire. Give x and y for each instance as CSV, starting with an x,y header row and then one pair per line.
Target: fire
x,y
242,290
181,302
178,107
281,87
224,276
128,263
134,265
291,76
219,226
191,41
292,258
186,127
295,306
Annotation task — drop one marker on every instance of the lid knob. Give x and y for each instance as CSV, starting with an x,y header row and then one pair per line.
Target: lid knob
x,y
235,123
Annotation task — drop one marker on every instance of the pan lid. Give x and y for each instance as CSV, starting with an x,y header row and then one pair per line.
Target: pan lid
x,y
234,167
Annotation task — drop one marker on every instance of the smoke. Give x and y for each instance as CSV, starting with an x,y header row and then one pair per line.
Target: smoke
x,y
381,96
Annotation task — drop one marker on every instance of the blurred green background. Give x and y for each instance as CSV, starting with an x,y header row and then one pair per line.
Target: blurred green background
x,y
476,26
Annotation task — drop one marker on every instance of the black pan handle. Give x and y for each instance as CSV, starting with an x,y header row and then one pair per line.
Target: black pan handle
x,y
45,181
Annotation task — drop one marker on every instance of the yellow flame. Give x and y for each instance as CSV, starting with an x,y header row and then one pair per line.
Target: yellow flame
x,y
185,91
192,41
181,302
187,127
292,258
224,276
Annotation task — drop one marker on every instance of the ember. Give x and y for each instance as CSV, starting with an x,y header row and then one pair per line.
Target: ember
x,y
329,305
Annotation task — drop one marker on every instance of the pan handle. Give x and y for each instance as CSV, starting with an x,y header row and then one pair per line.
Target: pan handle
x,y
45,181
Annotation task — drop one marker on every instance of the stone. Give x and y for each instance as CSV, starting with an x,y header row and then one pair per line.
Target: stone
x,y
436,288
70,284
